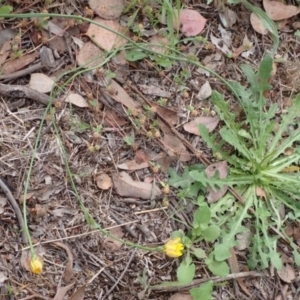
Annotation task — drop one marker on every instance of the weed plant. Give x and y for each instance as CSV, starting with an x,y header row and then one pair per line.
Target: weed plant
x,y
263,168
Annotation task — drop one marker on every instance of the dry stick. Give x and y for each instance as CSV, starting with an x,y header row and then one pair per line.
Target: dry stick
x,y
7,90
197,282
16,208
21,73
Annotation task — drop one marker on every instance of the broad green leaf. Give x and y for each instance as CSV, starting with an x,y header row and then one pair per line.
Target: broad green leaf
x,y
135,55
199,253
203,292
218,268
6,9
185,272
211,233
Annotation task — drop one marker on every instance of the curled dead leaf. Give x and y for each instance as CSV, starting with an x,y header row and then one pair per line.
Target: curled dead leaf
x,y
68,274
257,24
209,122
126,187
103,181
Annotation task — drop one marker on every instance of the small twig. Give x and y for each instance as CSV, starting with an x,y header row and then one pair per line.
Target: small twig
x,y
21,73
16,208
122,275
7,90
178,287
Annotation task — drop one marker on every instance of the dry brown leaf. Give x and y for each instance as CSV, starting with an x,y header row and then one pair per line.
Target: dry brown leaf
x,y
261,193
234,267
107,40
214,196
38,211
3,202
77,100
41,82
257,24
61,291
103,181
3,277
205,91
89,52
112,119
180,296
43,193
175,147
287,274
79,294
108,10
126,187
278,11
246,46
169,115
68,274
19,63
209,122
150,89
132,165
112,244
157,43
120,95
5,51
141,156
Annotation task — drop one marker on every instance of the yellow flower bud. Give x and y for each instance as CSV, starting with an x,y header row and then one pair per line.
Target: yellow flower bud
x,y
173,247
36,265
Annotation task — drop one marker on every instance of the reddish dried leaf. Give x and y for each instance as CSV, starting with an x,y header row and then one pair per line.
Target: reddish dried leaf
x,y
257,24
141,156
278,11
174,147
110,243
108,10
214,196
19,63
107,40
89,52
116,92
261,193
192,23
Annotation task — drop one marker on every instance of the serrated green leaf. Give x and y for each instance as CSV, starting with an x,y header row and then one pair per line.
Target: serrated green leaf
x,y
185,272
211,233
202,216
203,292
135,55
184,181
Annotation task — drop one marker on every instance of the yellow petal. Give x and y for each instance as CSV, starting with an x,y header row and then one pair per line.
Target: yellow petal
x,y
36,265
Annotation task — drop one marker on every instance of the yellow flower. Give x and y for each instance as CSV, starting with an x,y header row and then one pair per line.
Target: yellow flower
x,y
173,247
36,265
